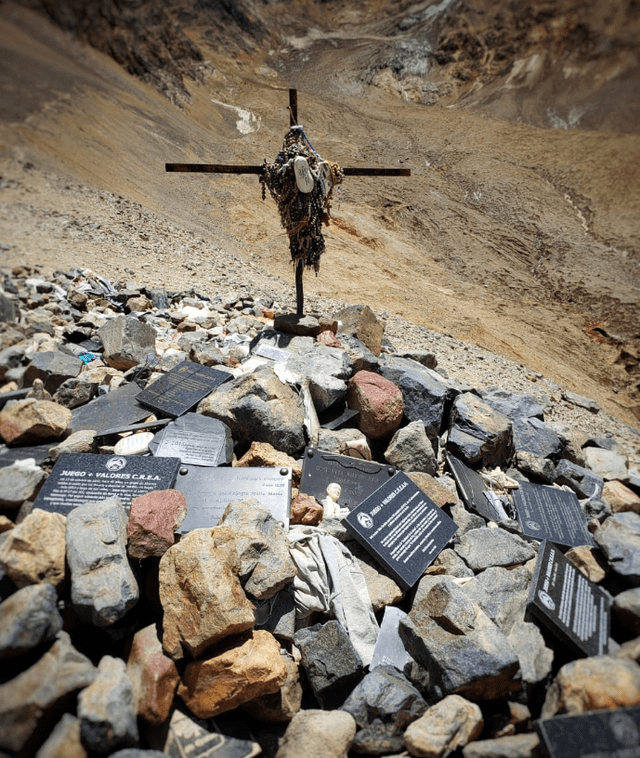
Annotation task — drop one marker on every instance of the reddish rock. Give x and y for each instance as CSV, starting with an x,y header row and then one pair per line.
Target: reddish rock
x,y
328,338
593,684
242,670
379,401
620,498
201,595
431,487
33,421
153,675
588,560
34,551
305,509
265,454
153,519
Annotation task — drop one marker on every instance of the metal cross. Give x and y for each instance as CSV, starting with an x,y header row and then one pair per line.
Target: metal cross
x,y
219,168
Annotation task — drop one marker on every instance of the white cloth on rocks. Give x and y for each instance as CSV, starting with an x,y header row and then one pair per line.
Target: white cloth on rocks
x,y
330,580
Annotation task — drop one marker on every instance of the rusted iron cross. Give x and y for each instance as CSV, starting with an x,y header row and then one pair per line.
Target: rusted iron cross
x,y
218,168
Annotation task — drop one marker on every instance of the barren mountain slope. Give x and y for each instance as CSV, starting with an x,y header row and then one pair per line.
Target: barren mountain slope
x,y
522,239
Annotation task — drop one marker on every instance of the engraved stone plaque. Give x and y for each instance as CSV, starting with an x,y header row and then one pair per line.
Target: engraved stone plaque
x,y
357,479
208,491
117,408
402,528
276,354
79,478
40,453
548,513
195,439
181,388
575,609
597,734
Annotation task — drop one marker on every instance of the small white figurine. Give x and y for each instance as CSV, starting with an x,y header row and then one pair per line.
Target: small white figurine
x,y
330,502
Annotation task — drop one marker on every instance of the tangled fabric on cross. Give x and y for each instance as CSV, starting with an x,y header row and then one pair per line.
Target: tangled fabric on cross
x,y
302,213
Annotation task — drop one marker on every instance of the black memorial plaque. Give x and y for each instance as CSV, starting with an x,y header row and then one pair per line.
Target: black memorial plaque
x,y
82,478
180,389
195,439
9,455
575,609
146,425
357,479
596,734
402,528
117,408
548,513
473,491
209,491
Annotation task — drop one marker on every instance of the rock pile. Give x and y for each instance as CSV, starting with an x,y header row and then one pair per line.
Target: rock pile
x,y
119,638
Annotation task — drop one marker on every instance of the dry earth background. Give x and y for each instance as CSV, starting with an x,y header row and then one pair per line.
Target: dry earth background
x,y
519,230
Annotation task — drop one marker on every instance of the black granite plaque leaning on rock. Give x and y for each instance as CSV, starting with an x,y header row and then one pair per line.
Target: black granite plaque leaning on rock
x,y
597,734
195,439
402,528
548,513
473,490
208,491
357,479
181,388
117,408
575,609
82,478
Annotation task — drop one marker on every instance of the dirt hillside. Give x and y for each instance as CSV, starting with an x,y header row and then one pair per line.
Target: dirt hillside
x,y
519,229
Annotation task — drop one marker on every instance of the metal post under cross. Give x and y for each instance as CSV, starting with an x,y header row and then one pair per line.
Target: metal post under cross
x,y
218,168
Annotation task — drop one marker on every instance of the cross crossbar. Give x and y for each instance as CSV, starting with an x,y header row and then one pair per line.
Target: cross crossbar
x,y
221,168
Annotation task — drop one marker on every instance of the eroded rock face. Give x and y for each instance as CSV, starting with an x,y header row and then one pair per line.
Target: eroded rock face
x,y
106,709
37,693
244,668
201,594
464,651
259,407
103,586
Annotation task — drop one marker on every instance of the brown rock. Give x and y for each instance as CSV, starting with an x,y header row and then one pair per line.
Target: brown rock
x,y
5,524
593,684
589,561
305,509
201,595
39,693
264,454
440,494
33,421
153,519
245,668
281,706
513,746
443,728
379,401
64,741
318,734
361,322
34,551
619,497
153,675
78,442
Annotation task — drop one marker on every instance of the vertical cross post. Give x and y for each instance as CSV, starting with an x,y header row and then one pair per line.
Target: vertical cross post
x,y
293,107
